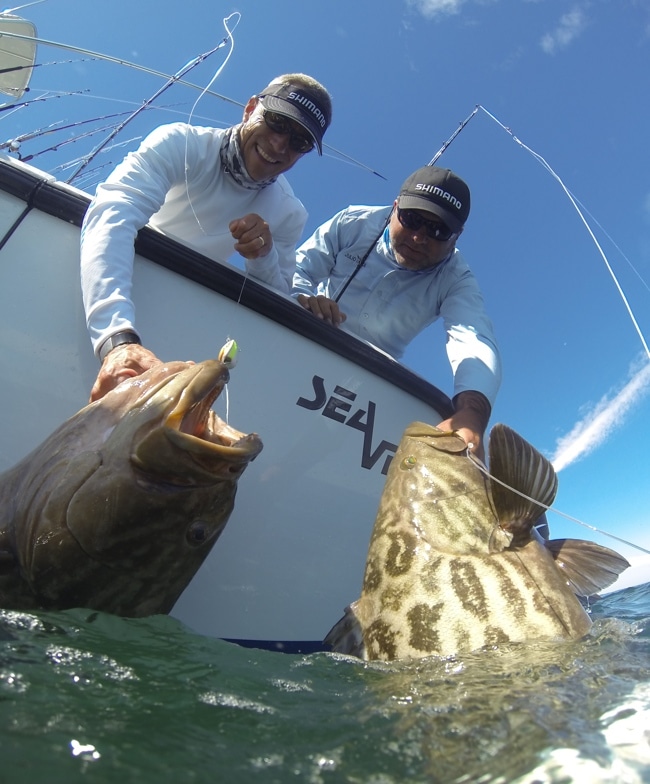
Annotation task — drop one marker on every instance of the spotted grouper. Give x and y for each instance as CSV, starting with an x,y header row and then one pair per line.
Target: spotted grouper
x,y
119,507
455,562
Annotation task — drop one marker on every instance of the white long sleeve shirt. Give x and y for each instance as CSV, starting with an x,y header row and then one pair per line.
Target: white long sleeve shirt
x,y
175,182
388,305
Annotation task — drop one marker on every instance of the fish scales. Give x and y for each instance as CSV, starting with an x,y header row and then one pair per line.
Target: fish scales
x,y
453,566
119,507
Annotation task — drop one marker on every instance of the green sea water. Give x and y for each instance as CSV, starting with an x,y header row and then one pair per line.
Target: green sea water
x,y
88,697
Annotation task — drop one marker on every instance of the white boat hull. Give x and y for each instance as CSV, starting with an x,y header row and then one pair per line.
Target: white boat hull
x,y
329,409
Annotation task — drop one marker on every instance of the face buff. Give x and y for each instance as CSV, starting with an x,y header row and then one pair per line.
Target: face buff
x,y
232,161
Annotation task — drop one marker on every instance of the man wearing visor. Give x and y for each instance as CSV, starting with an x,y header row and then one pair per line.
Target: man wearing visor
x,y
219,191
386,273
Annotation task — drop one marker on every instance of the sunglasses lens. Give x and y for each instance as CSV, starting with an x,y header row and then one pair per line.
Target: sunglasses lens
x,y
300,143
276,122
411,220
279,124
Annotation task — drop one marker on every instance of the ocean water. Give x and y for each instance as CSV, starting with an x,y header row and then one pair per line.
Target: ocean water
x,y
88,697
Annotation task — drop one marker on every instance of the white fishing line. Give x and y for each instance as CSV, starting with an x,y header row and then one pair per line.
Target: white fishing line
x,y
206,89
481,466
574,202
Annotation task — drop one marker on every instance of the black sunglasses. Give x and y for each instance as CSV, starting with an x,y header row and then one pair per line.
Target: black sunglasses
x,y
279,124
412,220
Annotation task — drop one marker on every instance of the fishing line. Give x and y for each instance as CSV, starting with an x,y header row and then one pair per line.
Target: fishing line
x,y
116,60
453,136
229,37
432,162
574,202
160,74
172,80
483,469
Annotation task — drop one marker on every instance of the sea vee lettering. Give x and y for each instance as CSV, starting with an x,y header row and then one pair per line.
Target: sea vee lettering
x,y
338,407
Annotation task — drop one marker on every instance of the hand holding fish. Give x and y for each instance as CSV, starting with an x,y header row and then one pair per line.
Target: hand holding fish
x,y
323,308
253,235
469,420
125,361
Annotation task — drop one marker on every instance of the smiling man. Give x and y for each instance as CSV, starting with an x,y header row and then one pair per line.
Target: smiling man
x,y
220,191
386,273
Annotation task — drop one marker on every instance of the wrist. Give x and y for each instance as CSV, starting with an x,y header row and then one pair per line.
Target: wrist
x,y
118,339
473,405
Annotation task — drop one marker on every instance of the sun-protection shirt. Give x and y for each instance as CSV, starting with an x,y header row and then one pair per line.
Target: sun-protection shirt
x,y
388,305
175,182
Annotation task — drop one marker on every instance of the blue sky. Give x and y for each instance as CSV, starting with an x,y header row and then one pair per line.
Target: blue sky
x,y
565,79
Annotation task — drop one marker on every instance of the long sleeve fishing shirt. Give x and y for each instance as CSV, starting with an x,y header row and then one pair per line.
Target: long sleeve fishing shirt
x,y
175,182
388,305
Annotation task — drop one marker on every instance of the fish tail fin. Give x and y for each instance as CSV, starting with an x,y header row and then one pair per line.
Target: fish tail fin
x,y
587,566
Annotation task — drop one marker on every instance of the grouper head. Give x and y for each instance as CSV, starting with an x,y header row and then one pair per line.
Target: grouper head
x,y
117,510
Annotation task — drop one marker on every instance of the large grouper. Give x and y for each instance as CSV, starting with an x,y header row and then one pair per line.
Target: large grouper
x,y
455,562
119,507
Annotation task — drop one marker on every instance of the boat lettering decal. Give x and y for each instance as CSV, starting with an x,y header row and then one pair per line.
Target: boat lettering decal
x,y
338,407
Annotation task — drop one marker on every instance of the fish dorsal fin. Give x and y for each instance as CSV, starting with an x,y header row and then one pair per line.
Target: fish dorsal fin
x,y
587,566
519,465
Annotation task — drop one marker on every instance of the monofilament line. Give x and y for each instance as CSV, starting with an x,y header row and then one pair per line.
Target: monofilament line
x,y
485,471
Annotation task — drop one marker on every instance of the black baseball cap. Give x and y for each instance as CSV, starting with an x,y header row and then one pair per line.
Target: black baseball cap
x,y
439,191
300,104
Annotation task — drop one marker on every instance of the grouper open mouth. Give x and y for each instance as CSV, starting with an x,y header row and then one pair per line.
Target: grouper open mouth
x,y
117,509
189,427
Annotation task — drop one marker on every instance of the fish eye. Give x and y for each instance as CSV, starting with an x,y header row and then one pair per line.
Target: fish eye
x,y
409,462
197,533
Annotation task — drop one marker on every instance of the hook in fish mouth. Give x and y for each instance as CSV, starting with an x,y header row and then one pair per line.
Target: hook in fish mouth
x,y
191,432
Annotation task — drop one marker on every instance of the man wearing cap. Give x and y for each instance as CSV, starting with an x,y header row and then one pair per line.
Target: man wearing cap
x,y
219,191
386,273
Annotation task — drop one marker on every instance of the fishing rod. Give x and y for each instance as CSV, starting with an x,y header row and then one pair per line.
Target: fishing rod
x,y
574,202
117,61
13,106
160,74
172,80
453,136
14,144
432,162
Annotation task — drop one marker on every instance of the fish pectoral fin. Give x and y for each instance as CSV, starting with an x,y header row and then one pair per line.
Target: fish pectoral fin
x,y
346,635
520,466
588,567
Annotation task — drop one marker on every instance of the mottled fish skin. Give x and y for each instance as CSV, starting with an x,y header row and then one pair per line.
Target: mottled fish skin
x,y
455,565
119,507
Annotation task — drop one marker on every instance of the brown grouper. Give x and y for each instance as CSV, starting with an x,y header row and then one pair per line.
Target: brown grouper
x,y
119,507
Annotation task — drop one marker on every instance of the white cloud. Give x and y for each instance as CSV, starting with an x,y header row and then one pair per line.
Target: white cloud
x,y
569,27
431,8
607,415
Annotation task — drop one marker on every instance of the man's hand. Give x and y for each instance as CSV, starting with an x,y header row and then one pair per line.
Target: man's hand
x,y
253,236
470,420
125,361
323,308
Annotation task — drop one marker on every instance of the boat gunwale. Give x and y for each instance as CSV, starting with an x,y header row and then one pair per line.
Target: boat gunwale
x,y
42,192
